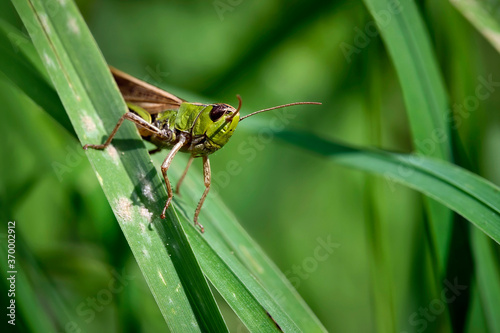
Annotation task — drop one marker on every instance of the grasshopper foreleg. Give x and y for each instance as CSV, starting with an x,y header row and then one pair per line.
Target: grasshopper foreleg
x,y
164,169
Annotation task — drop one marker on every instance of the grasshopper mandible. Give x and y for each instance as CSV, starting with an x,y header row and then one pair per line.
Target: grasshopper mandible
x,y
170,122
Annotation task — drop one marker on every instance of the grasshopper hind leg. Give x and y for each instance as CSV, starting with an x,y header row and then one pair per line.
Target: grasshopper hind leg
x,y
130,116
110,137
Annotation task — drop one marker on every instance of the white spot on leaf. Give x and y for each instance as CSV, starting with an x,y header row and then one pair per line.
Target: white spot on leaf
x,y
146,214
145,252
89,125
161,277
113,154
48,60
99,178
123,207
73,26
44,19
147,191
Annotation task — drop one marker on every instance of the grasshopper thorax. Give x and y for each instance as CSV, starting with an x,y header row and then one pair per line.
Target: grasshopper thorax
x,y
209,126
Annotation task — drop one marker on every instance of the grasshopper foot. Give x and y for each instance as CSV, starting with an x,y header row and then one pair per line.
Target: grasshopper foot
x,y
98,147
167,204
202,229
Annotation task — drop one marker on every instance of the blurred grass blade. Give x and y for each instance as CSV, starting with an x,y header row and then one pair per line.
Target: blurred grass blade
x,y
480,14
424,93
469,195
425,96
94,104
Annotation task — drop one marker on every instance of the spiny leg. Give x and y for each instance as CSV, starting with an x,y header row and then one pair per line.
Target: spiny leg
x,y
206,174
164,169
130,116
178,187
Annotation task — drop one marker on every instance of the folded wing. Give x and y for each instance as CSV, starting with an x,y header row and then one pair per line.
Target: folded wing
x,y
150,98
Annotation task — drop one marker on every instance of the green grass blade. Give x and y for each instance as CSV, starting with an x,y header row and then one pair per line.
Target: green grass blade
x,y
408,44
480,14
94,104
460,190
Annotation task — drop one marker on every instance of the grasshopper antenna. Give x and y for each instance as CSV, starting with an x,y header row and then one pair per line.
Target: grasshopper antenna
x,y
230,118
277,107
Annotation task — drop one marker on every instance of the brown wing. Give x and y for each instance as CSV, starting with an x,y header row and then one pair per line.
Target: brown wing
x,y
150,98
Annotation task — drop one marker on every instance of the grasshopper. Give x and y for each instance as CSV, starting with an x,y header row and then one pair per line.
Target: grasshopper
x,y
170,122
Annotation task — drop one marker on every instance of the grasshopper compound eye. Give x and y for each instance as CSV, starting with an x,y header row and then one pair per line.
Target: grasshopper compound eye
x,y
218,110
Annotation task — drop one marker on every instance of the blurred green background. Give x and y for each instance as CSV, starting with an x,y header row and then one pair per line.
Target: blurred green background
x,y
269,52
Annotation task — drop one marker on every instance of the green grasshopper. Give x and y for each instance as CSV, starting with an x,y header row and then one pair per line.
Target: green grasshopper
x,y
170,122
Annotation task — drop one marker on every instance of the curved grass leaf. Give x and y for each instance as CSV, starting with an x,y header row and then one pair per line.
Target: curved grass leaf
x,y
425,98
408,44
469,195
